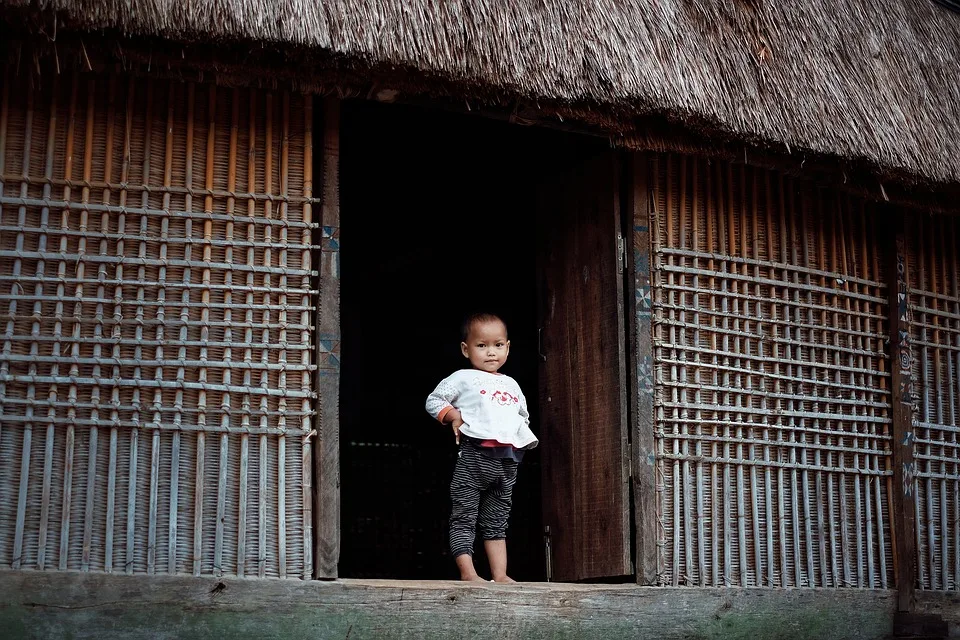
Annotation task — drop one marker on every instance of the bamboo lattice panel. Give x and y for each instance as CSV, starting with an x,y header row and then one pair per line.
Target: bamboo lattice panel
x,y
772,401
934,310
155,372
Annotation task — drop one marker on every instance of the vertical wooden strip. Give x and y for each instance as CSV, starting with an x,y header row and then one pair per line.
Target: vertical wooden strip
x,y
715,488
881,310
221,504
31,389
327,452
101,346
245,400
945,403
728,499
954,271
866,344
282,378
698,399
741,311
814,503
172,536
202,374
840,235
644,464
132,500
938,539
111,502
675,404
91,494
226,378
119,298
282,506
266,318
755,489
40,272
62,275
788,255
161,339
306,336
262,511
178,399
114,431
923,508
679,340
153,500
775,315
199,481
242,497
8,332
901,357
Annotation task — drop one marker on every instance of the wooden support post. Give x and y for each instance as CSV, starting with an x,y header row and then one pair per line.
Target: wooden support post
x,y
903,518
642,427
327,451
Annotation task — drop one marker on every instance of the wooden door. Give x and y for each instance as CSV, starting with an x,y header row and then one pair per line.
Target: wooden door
x,y
582,393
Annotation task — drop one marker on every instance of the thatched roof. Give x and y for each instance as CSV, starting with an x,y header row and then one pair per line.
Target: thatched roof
x,y
869,81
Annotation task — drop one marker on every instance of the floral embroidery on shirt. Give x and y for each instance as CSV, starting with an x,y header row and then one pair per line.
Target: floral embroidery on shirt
x,y
503,398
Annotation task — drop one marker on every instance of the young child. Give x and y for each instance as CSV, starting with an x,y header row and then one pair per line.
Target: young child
x,y
489,418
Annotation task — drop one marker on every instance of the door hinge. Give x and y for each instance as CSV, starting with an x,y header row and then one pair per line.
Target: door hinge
x,y
621,253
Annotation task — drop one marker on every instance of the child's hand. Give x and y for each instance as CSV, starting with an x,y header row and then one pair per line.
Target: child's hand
x,y
456,421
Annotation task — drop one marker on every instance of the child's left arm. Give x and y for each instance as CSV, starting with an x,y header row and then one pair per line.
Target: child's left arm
x,y
441,404
523,409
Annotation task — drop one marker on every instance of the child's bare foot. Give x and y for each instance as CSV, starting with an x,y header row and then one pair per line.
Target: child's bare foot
x,y
473,578
467,572
503,579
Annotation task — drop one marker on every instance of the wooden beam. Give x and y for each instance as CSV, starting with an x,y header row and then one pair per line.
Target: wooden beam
x,y
903,520
90,605
640,329
327,452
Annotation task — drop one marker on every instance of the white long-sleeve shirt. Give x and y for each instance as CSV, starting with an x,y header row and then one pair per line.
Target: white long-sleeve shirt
x,y
491,405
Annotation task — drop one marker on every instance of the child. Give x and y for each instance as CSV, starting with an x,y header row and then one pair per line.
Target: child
x,y
489,418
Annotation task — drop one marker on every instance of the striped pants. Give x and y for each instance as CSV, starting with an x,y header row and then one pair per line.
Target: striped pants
x,y
481,492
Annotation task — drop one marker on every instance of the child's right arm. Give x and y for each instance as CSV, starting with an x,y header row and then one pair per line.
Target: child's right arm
x,y
440,405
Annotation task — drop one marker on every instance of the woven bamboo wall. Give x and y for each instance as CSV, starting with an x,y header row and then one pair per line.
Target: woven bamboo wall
x,y
933,276
155,372
772,401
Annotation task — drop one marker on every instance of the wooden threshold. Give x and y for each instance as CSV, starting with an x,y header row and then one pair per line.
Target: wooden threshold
x,y
85,605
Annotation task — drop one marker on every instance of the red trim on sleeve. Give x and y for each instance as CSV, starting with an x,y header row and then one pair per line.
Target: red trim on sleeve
x,y
444,412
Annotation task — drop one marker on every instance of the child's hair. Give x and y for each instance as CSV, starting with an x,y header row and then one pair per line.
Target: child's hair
x,y
473,318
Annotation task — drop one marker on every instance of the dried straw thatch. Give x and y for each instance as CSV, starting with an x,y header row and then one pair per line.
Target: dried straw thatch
x,y
869,81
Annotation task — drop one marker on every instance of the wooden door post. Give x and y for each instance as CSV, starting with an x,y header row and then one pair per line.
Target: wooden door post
x,y
641,384
327,451
903,519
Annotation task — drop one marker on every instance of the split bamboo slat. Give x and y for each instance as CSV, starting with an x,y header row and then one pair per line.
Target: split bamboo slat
x,y
157,301
772,405
933,277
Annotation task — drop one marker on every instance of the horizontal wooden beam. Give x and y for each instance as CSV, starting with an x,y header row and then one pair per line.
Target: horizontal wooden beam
x,y
79,605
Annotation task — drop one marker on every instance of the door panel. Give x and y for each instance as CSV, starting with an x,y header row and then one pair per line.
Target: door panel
x,y
582,394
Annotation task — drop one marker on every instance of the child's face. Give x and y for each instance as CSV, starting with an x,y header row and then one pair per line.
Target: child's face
x,y
487,346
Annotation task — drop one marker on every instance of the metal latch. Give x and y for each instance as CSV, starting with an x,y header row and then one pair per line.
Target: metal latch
x,y
621,253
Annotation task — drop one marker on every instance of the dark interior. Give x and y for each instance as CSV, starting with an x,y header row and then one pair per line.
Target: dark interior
x,y
437,214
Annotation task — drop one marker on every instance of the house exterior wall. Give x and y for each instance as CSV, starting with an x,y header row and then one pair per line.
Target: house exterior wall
x,y
933,308
156,375
773,394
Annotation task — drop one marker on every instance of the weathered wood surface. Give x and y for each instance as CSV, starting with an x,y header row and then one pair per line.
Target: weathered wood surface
x,y
582,397
644,447
904,467
327,451
46,605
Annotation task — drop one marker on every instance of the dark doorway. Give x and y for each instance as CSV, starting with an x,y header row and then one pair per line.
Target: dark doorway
x,y
438,218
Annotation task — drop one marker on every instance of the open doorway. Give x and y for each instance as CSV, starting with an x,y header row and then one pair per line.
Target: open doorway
x,y
439,217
